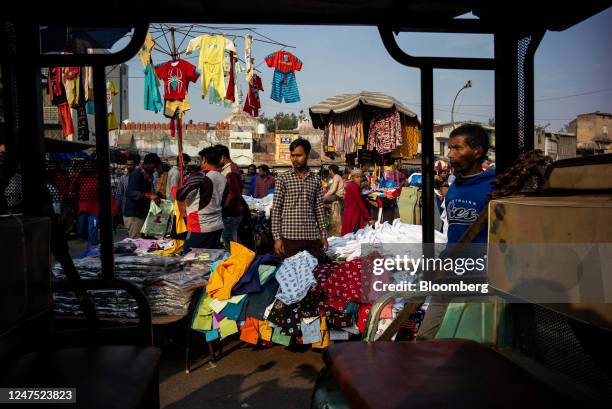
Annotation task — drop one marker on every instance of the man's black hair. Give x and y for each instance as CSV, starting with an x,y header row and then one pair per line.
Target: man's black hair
x,y
134,157
152,158
222,150
334,168
475,136
186,159
300,142
211,155
265,168
165,167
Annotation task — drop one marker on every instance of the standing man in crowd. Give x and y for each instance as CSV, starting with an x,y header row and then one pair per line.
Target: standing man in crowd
x,y
232,206
465,200
174,175
139,194
130,164
246,179
205,192
263,183
467,196
336,187
297,210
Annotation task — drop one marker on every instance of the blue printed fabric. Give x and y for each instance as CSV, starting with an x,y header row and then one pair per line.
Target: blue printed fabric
x,y
284,87
295,277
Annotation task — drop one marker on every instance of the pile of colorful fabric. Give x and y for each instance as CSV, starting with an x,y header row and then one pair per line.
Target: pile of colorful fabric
x,y
293,301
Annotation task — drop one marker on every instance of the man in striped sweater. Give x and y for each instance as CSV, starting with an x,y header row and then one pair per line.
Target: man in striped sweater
x,y
205,192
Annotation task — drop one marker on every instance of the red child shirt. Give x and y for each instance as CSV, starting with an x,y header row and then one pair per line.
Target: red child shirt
x,y
176,76
252,103
284,61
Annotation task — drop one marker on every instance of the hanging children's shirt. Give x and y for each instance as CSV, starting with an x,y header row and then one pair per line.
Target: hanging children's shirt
x,y
213,97
88,83
248,42
210,63
82,122
152,96
72,80
176,76
57,95
230,92
284,86
57,91
111,91
252,103
145,51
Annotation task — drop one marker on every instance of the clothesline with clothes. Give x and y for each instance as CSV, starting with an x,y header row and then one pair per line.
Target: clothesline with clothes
x,y
217,68
186,31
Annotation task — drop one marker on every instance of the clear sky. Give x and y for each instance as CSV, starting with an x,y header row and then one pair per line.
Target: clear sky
x,y
351,59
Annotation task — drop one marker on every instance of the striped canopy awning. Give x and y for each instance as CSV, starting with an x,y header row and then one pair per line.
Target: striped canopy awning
x,y
345,102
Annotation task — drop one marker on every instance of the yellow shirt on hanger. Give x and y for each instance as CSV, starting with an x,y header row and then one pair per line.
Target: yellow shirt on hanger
x,y
145,51
210,63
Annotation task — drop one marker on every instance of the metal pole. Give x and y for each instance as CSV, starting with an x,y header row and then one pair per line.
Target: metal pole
x,y
427,154
103,159
173,45
467,85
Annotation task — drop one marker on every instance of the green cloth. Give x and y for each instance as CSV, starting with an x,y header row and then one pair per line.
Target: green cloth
x,y
203,318
475,321
407,203
227,327
202,322
265,272
279,338
157,219
219,306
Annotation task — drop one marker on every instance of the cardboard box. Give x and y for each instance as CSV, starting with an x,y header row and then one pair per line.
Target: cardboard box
x,y
556,251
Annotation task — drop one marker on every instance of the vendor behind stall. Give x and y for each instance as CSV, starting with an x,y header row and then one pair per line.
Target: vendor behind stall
x,y
297,212
336,187
355,214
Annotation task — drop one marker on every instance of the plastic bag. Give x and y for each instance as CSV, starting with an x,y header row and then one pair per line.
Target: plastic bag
x,y
157,219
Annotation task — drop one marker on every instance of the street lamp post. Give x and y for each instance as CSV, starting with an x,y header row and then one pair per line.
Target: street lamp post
x,y
467,85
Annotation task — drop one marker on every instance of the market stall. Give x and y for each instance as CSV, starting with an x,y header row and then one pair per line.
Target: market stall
x,y
370,129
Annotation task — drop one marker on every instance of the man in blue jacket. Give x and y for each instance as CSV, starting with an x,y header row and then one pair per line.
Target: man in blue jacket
x,y
465,200
139,194
467,196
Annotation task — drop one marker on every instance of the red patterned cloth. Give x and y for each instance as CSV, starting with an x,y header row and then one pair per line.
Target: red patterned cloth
x,y
340,283
362,316
385,131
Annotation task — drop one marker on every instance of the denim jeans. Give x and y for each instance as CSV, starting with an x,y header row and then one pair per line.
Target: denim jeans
x,y
88,228
230,230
